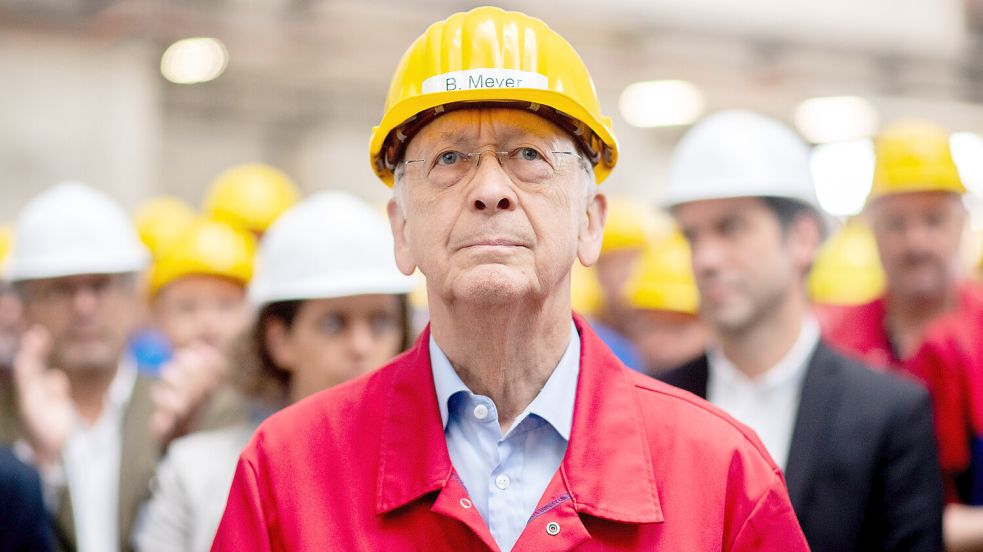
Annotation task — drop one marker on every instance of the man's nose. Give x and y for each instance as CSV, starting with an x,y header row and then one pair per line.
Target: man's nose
x,y
361,339
85,299
706,256
491,188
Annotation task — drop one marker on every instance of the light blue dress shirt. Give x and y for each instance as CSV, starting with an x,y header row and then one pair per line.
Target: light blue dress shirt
x,y
506,475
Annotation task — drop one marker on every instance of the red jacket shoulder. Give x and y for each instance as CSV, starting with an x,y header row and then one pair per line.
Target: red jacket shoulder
x,y
672,413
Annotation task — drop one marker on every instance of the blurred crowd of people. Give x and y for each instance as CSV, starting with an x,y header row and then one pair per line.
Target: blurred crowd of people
x,y
140,351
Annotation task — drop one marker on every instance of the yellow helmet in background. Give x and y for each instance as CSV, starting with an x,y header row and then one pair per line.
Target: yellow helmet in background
x,y
914,156
6,244
848,269
161,220
663,277
629,225
250,196
490,56
207,248
586,296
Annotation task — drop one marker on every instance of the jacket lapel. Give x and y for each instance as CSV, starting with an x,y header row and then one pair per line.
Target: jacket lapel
x,y
64,522
610,478
819,397
139,455
413,453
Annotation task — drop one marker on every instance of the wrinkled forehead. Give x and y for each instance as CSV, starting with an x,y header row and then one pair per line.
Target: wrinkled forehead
x,y
477,127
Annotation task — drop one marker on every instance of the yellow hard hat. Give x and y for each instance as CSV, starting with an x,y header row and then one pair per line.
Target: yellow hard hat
x,y
6,244
251,196
491,57
161,220
629,225
847,270
914,156
663,277
209,248
586,296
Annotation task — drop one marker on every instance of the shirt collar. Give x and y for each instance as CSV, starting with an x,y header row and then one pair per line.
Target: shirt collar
x,y
612,479
555,400
790,369
121,387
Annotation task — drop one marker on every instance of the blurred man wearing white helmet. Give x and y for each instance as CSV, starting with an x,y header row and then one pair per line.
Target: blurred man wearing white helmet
x,y
857,446
83,412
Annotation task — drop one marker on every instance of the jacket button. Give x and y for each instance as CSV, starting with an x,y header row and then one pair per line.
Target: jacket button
x,y
553,528
467,504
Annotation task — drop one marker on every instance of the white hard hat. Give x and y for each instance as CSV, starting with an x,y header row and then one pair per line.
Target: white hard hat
x,y
74,229
740,154
330,245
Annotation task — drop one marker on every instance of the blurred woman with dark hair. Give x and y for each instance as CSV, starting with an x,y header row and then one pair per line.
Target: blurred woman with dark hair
x,y
332,306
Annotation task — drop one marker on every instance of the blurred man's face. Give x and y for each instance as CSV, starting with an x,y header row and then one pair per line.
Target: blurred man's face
x,y
918,236
201,309
89,317
333,340
613,270
744,263
666,339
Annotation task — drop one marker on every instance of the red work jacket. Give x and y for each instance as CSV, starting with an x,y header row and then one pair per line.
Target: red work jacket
x,y
949,362
364,466
859,331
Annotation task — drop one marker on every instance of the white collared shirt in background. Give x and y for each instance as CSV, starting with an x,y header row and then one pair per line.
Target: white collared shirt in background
x,y
92,462
768,404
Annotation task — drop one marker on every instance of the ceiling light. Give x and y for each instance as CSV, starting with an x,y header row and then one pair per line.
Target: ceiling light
x,y
843,173
661,103
194,60
836,119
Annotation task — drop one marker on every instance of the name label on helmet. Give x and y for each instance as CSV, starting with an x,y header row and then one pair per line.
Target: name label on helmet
x,y
473,79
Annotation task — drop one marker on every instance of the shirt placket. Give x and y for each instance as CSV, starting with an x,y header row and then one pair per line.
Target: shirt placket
x,y
503,500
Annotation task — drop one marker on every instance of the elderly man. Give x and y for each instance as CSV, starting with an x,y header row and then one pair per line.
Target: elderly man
x,y
83,416
508,425
857,446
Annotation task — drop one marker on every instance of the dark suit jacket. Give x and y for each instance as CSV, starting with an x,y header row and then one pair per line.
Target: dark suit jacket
x,y
24,523
863,470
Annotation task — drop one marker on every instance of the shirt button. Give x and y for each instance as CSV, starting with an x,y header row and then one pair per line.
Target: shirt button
x,y
553,528
481,412
502,482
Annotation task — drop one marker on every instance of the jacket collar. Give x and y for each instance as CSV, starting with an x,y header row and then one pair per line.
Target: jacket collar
x,y
554,403
607,469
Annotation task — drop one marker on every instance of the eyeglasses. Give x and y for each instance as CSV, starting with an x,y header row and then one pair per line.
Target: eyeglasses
x,y
63,290
524,165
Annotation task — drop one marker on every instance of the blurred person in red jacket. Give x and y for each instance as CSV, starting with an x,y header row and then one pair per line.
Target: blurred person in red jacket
x,y
928,321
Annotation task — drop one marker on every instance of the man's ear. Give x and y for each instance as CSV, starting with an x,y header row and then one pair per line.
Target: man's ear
x,y
401,246
275,335
592,229
805,235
